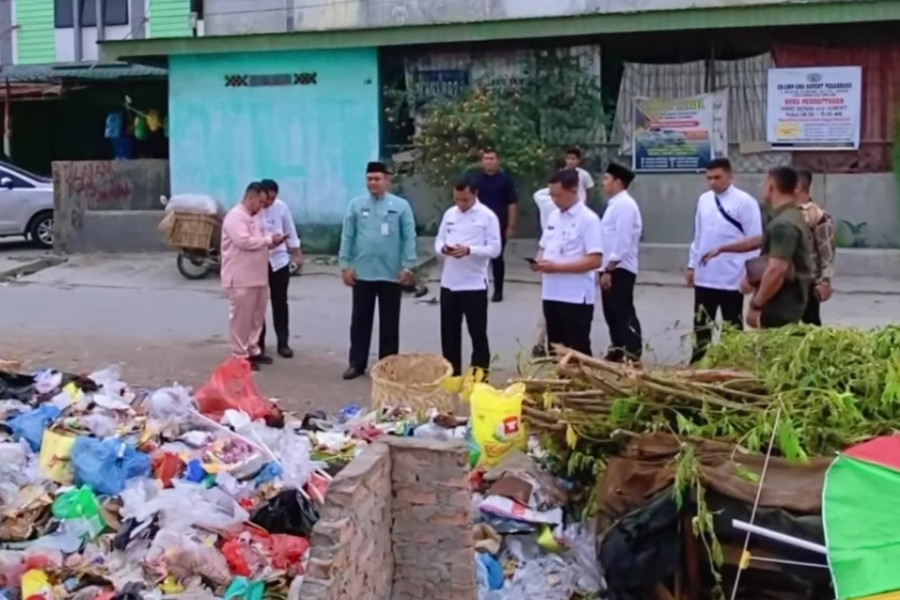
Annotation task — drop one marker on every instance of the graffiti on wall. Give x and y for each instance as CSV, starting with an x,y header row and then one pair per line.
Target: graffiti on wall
x,y
104,186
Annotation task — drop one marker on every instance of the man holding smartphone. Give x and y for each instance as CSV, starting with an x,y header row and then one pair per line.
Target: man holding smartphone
x,y
467,239
569,256
245,260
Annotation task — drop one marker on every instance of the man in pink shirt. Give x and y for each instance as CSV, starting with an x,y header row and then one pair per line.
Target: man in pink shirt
x,y
245,273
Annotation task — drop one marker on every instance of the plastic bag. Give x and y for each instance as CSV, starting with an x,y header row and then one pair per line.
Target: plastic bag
x,y
109,380
496,423
293,452
168,402
288,512
80,504
30,426
47,381
188,505
105,465
232,387
197,204
166,467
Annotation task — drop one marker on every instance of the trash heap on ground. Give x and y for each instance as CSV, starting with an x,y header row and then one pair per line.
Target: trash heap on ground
x,y
530,543
112,492
674,464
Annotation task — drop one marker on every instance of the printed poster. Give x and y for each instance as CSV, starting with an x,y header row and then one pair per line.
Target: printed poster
x,y
679,134
814,108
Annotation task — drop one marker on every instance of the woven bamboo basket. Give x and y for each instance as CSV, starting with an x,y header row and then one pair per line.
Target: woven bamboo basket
x,y
413,381
192,231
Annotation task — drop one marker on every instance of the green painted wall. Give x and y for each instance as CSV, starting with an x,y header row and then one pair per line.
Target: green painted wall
x,y
36,39
170,18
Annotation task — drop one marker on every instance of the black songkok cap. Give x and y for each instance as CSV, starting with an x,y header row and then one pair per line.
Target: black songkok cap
x,y
621,173
377,167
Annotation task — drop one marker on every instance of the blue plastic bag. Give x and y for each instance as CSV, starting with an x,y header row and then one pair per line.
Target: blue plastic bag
x,y
30,426
105,465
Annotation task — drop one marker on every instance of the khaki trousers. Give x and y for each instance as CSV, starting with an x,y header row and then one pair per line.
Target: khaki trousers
x,y
246,317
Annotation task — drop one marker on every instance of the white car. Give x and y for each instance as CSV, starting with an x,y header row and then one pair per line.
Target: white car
x,y
26,205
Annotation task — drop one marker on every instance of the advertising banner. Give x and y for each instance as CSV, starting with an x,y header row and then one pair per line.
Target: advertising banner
x,y
679,135
814,108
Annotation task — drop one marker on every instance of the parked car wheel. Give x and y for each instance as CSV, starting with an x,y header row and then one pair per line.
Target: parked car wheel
x,y
41,229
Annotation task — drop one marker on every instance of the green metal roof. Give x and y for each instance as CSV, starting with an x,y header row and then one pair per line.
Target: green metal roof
x,y
772,15
79,72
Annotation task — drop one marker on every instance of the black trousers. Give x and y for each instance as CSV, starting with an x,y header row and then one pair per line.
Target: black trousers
x,y
621,318
498,268
473,307
278,293
813,313
366,294
569,324
708,302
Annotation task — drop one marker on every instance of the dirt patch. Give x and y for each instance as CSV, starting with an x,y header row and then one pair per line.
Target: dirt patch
x,y
311,380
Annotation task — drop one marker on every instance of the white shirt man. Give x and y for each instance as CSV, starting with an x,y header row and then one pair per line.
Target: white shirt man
x,y
570,253
467,239
276,219
622,227
725,214
545,206
585,183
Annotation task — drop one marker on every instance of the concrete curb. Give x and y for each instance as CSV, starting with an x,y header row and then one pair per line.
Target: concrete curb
x,y
850,288
31,267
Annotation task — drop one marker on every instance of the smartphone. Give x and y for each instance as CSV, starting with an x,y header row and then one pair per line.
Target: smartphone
x,y
530,261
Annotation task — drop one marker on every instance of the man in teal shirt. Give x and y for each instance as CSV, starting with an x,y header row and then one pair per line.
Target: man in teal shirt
x,y
378,253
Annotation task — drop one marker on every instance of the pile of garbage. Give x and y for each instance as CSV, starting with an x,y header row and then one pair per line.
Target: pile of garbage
x,y
530,543
112,492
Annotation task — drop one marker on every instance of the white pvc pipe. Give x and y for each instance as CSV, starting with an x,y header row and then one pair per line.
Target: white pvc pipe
x,y
779,537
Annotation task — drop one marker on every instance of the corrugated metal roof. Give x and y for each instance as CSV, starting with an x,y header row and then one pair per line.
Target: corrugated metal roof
x,y
80,72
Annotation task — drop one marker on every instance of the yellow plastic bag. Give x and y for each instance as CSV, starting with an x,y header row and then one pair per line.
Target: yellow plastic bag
x,y
56,451
35,582
496,423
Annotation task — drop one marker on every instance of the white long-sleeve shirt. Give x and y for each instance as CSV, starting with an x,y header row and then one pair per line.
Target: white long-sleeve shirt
x,y
277,219
545,205
712,230
568,237
622,227
479,229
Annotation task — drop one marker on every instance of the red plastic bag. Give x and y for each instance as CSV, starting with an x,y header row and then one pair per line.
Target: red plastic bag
x,y
232,387
286,552
166,467
242,559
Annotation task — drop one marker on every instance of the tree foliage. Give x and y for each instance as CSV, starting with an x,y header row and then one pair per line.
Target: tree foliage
x,y
529,120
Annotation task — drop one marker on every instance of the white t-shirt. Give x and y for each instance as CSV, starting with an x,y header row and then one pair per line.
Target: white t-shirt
x,y
585,183
569,236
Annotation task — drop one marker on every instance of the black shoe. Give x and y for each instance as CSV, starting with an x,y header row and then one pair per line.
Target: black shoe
x,y
261,359
539,352
285,352
353,373
421,291
497,297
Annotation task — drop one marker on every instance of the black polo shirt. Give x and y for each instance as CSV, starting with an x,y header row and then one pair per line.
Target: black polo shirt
x,y
497,192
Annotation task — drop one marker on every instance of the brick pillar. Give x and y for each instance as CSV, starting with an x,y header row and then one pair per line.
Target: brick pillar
x,y
434,551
